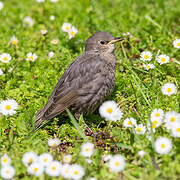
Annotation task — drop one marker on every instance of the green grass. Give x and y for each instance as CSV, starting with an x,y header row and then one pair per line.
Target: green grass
x,y
153,25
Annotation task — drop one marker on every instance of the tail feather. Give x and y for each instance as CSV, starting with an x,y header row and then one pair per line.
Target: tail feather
x,y
38,122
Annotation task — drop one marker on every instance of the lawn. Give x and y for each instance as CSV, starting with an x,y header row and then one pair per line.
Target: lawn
x,y
151,26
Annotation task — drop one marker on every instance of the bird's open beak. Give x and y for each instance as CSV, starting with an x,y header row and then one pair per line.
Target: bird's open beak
x,y
117,39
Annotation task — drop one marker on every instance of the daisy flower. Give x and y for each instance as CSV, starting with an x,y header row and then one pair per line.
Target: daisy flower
x,y
54,41
45,159
87,149
157,114
156,122
107,157
54,142
129,122
175,130
31,56
51,54
117,163
36,169
5,160
52,17
92,178
8,107
141,153
5,57
13,41
43,31
162,59
1,5
77,172
7,172
89,161
29,158
1,72
53,1
176,43
66,27
171,118
40,1
53,169
140,129
72,32
162,145
169,89
66,171
28,21
67,158
110,111
153,126
146,56
148,66
127,34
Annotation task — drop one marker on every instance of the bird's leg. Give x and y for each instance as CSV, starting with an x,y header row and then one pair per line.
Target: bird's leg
x,y
89,130
77,116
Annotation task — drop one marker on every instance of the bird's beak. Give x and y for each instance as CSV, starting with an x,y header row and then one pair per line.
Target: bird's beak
x,y
117,39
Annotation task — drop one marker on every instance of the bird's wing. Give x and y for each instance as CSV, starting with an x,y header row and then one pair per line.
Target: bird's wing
x,y
83,70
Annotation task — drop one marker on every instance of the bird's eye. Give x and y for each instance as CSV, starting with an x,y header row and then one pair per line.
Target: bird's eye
x,y
102,42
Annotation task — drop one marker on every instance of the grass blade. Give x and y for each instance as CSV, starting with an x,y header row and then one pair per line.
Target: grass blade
x,y
76,125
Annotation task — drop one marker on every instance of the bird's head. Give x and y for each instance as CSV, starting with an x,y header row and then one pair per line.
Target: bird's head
x,y
101,42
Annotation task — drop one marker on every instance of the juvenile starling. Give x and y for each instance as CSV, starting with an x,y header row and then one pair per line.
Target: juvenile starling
x,y
87,80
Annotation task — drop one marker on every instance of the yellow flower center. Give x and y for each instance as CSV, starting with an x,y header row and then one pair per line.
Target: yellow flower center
x,y
163,59
178,44
54,144
129,122
66,158
138,129
55,41
53,168
5,58
72,33
155,122
178,129
148,67
45,160
7,172
157,114
67,28
8,107
31,160
31,57
117,163
153,126
76,172
109,110
163,145
172,119
14,42
169,90
35,169
5,160
87,149
146,56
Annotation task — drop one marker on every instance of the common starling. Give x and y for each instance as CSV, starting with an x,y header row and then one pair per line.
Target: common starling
x,y
87,80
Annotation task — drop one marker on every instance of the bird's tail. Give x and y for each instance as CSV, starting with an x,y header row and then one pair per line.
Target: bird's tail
x,y
39,119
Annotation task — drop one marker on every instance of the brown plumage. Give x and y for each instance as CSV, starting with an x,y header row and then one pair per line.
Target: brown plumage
x,y
87,80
